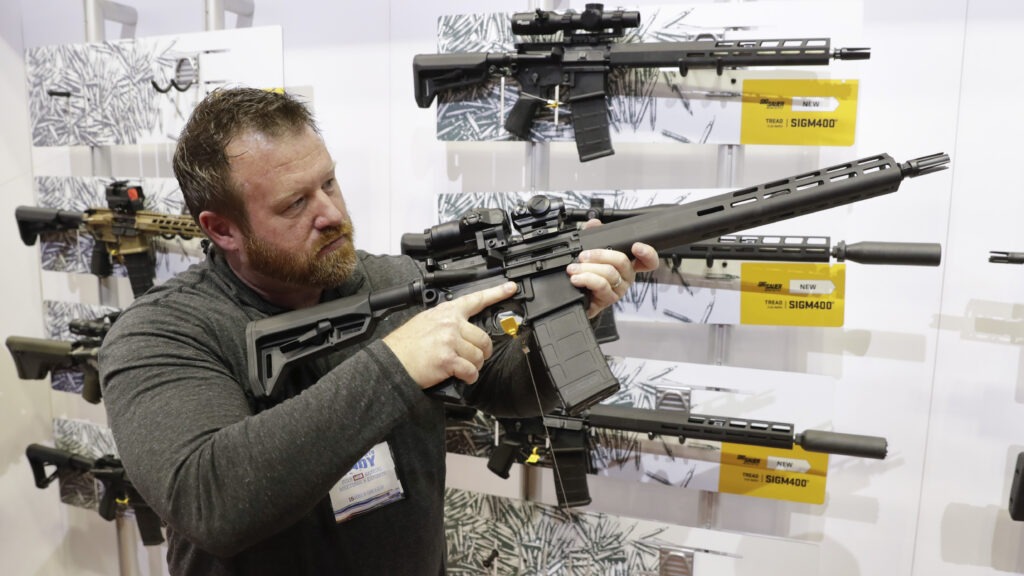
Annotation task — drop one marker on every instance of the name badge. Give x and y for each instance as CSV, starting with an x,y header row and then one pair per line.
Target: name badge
x,y
370,484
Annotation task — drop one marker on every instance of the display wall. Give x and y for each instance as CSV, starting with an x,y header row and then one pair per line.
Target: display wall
x,y
927,357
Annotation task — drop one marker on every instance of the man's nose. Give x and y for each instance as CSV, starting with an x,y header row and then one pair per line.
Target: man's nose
x,y
328,213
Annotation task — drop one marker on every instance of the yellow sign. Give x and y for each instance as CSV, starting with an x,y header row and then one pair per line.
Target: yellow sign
x,y
799,112
792,294
795,475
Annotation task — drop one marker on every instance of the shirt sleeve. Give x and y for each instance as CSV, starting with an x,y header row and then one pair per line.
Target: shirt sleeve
x,y
224,477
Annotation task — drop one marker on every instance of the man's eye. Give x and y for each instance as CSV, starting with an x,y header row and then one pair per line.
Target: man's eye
x,y
297,204
329,185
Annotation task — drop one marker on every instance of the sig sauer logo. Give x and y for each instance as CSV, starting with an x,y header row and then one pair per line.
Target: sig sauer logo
x,y
747,460
772,104
770,286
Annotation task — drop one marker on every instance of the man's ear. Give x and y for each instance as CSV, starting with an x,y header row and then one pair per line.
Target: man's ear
x,y
222,231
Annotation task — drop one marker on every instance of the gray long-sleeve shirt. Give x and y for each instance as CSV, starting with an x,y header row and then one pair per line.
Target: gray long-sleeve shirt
x,y
242,487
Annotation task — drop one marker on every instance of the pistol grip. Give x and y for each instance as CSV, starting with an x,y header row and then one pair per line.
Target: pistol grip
x,y
149,524
521,117
107,507
501,459
91,385
99,264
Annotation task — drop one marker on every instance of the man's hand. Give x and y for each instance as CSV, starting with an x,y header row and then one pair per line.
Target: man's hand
x,y
441,342
607,274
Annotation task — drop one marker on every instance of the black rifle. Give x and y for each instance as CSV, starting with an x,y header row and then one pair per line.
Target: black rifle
x,y
36,357
479,250
1006,257
563,442
118,491
582,60
123,230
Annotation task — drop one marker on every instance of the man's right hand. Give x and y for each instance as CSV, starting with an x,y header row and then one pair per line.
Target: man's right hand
x,y
439,343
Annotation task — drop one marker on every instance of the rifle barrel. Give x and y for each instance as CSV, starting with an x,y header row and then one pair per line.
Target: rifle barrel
x,y
998,257
845,444
892,253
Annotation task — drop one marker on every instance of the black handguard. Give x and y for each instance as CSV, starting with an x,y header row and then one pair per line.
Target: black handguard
x,y
764,204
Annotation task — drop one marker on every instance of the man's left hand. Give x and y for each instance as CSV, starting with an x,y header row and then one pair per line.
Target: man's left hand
x,y
608,274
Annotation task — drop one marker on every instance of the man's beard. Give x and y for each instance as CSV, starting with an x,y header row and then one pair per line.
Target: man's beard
x,y
305,269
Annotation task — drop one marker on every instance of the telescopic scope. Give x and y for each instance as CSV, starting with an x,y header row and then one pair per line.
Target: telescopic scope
x,y
592,19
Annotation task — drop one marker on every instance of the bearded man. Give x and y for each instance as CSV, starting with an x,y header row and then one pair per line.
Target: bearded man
x,y
250,486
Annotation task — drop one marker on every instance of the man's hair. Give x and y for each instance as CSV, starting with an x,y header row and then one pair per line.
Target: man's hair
x,y
201,163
